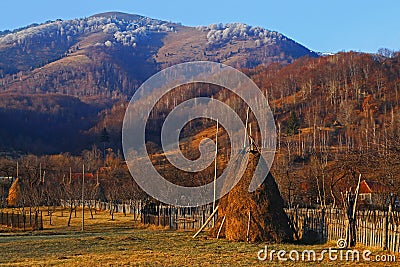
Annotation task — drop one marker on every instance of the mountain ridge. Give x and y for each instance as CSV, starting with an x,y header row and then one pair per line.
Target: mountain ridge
x,y
102,59
127,29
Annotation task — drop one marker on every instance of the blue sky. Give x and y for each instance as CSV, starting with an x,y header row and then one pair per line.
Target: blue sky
x,y
324,25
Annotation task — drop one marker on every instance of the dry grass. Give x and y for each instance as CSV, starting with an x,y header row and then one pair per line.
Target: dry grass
x,y
123,242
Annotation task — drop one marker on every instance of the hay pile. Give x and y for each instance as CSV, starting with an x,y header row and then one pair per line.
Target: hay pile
x,y
268,220
14,194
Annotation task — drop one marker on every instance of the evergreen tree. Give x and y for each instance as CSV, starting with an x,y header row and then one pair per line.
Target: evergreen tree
x,y
293,124
104,138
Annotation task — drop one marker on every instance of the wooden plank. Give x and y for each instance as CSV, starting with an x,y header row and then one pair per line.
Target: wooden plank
x,y
220,227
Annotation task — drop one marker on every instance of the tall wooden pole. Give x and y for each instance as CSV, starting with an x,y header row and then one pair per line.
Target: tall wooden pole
x,y
83,197
251,138
245,132
215,167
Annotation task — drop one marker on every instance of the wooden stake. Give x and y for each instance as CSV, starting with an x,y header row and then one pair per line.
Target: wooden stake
x,y
205,224
248,227
220,227
356,196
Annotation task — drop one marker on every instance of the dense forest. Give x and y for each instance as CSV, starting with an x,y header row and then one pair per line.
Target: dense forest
x,y
337,117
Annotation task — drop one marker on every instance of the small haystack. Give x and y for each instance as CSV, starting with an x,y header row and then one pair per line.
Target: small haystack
x,y
253,216
14,194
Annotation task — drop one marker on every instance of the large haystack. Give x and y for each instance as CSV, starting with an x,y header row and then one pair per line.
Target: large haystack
x,y
14,194
268,220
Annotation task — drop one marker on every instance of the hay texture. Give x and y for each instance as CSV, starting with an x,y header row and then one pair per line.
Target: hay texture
x,y
14,194
268,220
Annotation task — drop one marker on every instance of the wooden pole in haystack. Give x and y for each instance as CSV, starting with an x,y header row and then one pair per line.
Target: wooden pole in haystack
x,y
248,227
83,197
215,167
245,130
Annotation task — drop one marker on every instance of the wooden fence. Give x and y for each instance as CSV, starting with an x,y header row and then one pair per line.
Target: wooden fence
x,y
22,220
127,207
159,215
176,217
374,228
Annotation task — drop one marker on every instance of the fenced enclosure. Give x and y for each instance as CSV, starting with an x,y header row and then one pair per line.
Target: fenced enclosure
x,y
127,207
24,220
176,217
374,228
155,214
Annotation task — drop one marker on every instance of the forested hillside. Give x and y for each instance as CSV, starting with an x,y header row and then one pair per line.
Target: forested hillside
x,y
60,80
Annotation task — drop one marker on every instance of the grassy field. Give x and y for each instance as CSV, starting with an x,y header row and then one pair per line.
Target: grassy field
x,y
123,242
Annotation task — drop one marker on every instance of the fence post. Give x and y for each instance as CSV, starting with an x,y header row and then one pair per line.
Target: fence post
x,y
36,220
386,229
170,217
158,214
164,224
322,223
176,218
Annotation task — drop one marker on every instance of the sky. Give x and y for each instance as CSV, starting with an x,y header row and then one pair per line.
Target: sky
x,y
322,26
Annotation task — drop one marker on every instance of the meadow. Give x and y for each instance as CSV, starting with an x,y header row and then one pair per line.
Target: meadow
x,y
125,242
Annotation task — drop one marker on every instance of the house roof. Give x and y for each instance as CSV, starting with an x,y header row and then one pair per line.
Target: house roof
x,y
368,187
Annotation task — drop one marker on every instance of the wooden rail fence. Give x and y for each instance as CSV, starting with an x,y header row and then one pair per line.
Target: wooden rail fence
x,y
374,228
159,215
22,220
176,217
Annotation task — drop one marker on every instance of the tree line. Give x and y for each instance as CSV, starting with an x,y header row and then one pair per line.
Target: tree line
x,y
45,180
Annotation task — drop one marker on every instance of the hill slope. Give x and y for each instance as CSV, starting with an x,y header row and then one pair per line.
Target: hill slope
x,y
116,52
101,60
